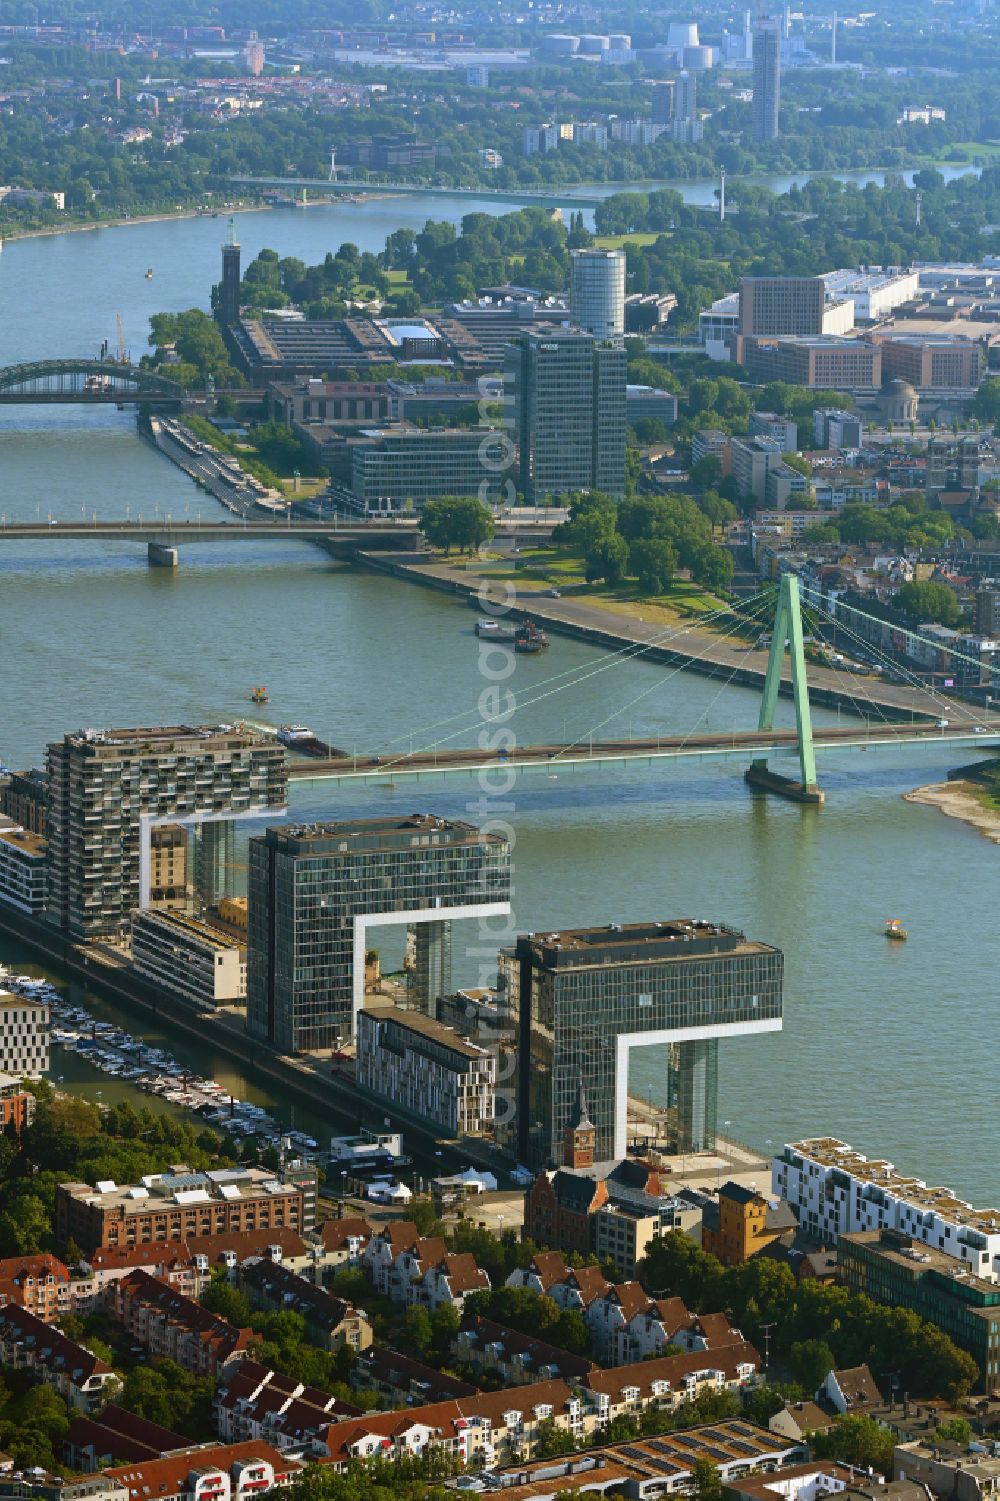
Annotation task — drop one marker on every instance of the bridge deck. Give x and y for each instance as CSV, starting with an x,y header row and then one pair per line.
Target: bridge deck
x,y
548,758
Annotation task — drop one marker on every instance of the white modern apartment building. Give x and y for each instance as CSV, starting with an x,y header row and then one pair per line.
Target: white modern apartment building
x,y
24,1037
835,1190
189,957
24,878
411,1060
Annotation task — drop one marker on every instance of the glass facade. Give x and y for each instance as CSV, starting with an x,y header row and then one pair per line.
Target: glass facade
x,y
578,992
306,887
564,402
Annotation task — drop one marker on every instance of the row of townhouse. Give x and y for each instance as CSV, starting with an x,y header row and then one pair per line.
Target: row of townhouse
x,y
625,1323
413,1269
27,1343
207,1472
45,1286
500,1427
167,1322
255,1402
329,1321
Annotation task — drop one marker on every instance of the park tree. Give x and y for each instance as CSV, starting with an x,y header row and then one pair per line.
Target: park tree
x,y
926,601
856,1440
654,562
811,1361
607,560
456,521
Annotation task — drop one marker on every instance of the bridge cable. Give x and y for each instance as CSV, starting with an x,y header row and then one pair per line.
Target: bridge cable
x,y
939,700
574,676
652,688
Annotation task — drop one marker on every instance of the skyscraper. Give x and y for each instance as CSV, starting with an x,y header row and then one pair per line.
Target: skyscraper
x,y
686,97
663,102
564,403
229,295
315,890
109,789
583,999
597,292
766,78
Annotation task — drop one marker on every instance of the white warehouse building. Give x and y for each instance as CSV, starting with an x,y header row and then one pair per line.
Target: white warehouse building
x,y
835,1190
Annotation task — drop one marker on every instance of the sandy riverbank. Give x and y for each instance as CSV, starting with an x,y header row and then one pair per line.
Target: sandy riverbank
x,y
959,800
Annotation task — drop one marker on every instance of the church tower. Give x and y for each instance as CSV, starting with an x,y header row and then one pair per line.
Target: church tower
x,y
580,1140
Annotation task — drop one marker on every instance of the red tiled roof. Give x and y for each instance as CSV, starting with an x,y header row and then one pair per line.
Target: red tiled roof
x,y
170,1476
671,1368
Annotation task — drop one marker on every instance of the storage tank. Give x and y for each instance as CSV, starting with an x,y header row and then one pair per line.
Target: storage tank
x,y
592,45
697,59
681,34
621,41
559,44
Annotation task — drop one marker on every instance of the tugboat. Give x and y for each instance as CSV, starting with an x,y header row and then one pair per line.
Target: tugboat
x,y
258,695
149,273
895,931
529,638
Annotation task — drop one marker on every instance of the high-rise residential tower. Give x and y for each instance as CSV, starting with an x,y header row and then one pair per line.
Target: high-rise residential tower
x,y
564,404
597,292
315,890
766,78
109,790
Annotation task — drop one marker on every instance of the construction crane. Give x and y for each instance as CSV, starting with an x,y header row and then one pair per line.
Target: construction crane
x,y
122,354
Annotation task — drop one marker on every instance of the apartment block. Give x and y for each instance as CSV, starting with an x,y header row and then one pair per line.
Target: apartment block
x,y
41,1284
108,789
330,1322
27,1343
24,1036
24,870
411,1060
835,1190
179,1205
206,1472
189,957
168,1323
17,1104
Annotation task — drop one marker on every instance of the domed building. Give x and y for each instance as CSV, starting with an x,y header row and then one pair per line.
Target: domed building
x,y
899,402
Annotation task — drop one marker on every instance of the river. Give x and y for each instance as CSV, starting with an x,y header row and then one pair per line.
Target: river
x,y
876,1034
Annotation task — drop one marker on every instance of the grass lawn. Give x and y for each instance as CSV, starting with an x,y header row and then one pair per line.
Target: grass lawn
x,y
542,568
397,278
637,237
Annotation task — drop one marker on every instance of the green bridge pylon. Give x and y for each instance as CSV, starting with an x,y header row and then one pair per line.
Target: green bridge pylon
x,y
788,628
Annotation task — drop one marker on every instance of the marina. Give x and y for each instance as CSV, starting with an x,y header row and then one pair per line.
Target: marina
x,y
111,1050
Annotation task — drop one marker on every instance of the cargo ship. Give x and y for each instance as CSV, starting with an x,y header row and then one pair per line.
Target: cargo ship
x,y
299,737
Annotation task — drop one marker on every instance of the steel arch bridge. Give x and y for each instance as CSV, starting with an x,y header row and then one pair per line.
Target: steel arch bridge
x,y
42,382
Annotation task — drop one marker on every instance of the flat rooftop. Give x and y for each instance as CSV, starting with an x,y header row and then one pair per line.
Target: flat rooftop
x,y
828,1151
358,835
187,927
25,842
162,736
424,1027
181,1188
917,1255
627,943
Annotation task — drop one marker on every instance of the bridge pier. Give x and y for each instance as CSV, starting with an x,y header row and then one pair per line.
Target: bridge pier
x,y
160,555
761,779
